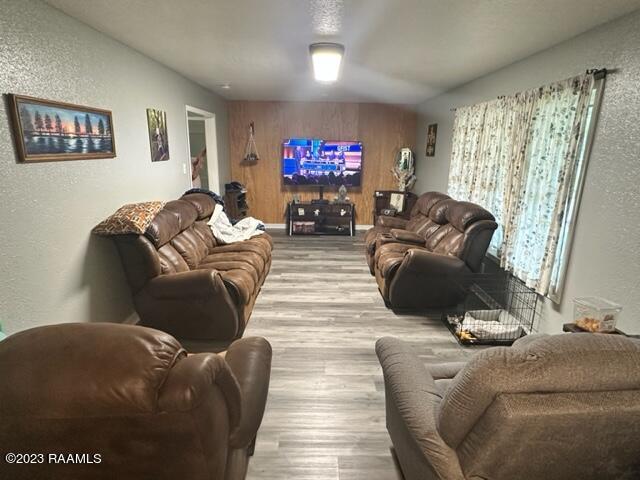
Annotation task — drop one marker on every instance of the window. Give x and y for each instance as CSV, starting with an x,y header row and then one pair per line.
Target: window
x,y
524,158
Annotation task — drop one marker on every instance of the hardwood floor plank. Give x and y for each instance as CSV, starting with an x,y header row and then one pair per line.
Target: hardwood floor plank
x,y
321,311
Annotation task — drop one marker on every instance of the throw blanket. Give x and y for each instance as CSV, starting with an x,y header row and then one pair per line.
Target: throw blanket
x,y
131,218
227,233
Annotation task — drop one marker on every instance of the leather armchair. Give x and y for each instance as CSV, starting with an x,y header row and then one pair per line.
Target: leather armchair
x,y
133,396
562,407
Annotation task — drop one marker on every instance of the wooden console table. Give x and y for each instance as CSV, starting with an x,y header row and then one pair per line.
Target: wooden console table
x,y
321,219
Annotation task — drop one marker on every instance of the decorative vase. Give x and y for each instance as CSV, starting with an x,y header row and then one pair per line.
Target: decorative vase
x,y
342,194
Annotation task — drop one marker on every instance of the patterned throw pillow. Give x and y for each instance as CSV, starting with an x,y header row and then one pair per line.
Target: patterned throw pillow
x,y
131,218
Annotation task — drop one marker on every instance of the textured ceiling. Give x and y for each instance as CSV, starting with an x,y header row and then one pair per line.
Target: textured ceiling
x,y
402,51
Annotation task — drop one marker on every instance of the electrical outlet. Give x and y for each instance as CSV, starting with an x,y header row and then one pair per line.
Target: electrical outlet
x,y
184,168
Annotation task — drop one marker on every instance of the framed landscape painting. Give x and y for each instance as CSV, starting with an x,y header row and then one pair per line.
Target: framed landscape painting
x,y
432,133
45,130
158,139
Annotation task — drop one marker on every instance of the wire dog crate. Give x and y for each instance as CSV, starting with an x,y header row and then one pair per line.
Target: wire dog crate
x,y
497,309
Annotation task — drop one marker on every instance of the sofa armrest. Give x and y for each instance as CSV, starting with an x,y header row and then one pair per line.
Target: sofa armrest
x,y
423,261
183,285
250,361
190,381
412,394
406,236
391,222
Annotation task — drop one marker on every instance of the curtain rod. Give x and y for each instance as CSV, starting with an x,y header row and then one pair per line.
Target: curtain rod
x,y
597,73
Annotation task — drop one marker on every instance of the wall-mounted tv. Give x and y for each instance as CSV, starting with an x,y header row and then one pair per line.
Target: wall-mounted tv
x,y
312,161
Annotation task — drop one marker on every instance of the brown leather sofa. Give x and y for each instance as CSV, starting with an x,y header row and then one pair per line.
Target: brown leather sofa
x,y
133,397
426,262
184,282
561,407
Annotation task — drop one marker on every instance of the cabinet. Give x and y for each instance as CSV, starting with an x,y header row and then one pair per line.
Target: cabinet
x,y
382,201
321,219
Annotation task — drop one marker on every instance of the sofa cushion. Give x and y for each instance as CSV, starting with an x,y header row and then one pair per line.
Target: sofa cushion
x,y
463,214
438,213
450,242
203,203
426,201
245,246
204,232
170,260
252,259
176,216
418,223
190,246
264,240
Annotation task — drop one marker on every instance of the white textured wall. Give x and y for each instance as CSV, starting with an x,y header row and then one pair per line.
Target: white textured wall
x,y
605,258
52,269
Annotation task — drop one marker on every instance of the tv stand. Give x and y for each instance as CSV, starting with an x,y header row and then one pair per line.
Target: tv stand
x,y
321,218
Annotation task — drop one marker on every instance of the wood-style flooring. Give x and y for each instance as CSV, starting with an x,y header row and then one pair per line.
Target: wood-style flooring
x,y
321,311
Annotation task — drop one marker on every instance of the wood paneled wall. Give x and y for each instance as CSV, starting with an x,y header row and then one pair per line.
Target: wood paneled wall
x,y
382,129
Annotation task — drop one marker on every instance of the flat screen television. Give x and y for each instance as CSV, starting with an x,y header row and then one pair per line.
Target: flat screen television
x,y
316,162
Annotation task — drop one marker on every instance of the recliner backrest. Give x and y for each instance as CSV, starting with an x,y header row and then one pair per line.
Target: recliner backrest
x,y
128,393
419,217
565,396
466,233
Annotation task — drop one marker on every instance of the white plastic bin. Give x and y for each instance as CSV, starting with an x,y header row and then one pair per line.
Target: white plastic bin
x,y
595,314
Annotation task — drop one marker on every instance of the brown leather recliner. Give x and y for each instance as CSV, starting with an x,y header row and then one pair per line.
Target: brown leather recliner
x,y
127,402
184,282
428,266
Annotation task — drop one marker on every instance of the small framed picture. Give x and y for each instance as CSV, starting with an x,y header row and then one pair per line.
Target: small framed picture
x,y
158,138
46,130
432,132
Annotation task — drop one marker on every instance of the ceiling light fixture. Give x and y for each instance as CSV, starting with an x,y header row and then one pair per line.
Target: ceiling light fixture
x,y
326,59
225,86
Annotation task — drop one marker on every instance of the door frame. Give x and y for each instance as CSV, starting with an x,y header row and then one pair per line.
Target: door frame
x,y
211,142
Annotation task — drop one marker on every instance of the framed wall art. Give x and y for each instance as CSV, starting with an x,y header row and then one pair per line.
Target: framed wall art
x,y
158,138
432,132
47,130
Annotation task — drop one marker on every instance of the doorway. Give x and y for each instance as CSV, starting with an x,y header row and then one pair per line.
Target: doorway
x,y
203,149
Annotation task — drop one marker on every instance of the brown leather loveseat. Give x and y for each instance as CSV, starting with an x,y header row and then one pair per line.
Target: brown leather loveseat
x,y
107,401
184,282
423,262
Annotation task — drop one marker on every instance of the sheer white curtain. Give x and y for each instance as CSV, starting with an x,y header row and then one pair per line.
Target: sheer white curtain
x,y
519,157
